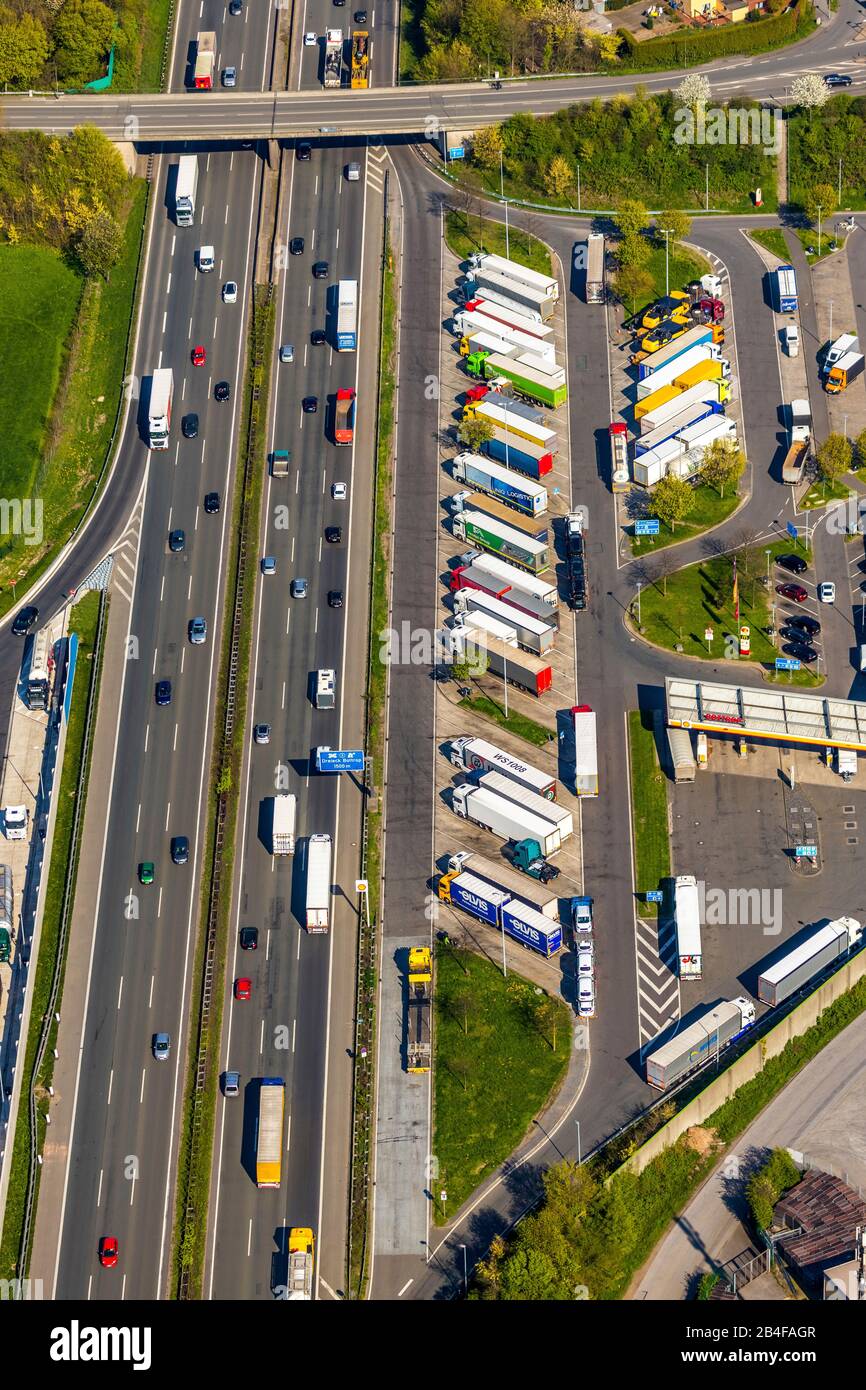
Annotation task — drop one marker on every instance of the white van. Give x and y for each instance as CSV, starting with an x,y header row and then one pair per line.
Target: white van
x,y
353,173
205,259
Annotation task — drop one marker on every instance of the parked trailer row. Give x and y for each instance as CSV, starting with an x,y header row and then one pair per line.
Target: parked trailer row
x,y
499,873
499,481
535,460
821,948
488,262
534,634
499,908
531,673
505,817
499,410
477,755
535,528
501,539
507,583
698,1043
511,315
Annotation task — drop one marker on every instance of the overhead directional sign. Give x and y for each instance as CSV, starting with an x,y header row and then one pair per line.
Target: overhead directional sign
x,y
806,851
648,527
340,759
787,663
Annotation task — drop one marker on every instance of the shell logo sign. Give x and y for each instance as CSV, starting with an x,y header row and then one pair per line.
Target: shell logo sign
x,y
745,640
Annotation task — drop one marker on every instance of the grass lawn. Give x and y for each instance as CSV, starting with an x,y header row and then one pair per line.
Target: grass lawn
x,y
494,1068
692,603
684,265
59,393
809,238
649,808
709,510
83,621
516,722
772,239
465,233
820,493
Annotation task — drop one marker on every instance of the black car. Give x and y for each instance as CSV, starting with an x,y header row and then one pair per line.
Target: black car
x,y
179,849
249,938
222,391
176,541
801,650
236,7
837,79
25,619
335,598
804,623
163,692
333,534
317,337
360,16
339,2
211,502
296,246
189,426
320,270
795,563
304,150
310,404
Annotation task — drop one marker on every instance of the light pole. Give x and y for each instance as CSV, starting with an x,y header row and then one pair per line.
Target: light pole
x,y
505,682
768,554
505,201
666,233
465,1273
577,1122
578,188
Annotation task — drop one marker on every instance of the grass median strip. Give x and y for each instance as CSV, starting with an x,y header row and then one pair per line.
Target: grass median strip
x,y
467,230
514,721
652,851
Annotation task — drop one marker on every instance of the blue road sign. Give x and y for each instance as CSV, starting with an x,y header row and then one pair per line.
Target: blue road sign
x,y
654,895
458,152
792,530
339,760
787,663
806,851
649,527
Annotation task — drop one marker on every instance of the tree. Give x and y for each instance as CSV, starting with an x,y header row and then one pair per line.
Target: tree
x,y
560,177
860,449
461,1002
23,49
487,146
834,457
631,218
694,91
633,251
665,566
99,245
675,221
633,283
474,431
724,463
673,499
82,38
819,202
810,91
607,46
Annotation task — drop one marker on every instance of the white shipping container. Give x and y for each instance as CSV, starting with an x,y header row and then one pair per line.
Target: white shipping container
x,y
688,925
560,816
477,755
480,341
668,374
649,469
515,316
534,634
467,623
517,578
504,817
318,883
546,284
705,391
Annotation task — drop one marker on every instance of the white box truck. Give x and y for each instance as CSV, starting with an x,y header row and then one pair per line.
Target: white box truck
x,y
820,948
504,817
285,808
534,634
688,923
585,751
318,883
477,755
528,800
159,407
185,190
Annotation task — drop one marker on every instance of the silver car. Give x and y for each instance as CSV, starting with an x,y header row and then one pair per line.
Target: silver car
x,y
161,1046
197,631
230,77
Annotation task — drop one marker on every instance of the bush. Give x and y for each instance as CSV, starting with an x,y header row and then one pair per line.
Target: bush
x,y
689,47
766,1186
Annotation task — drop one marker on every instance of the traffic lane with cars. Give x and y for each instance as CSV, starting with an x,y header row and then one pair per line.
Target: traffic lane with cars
x,y
244,42
295,637
161,755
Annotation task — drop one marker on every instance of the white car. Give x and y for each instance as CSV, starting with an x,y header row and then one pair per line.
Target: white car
x,y
585,996
310,40
230,292
827,591
339,492
205,259
585,961
791,340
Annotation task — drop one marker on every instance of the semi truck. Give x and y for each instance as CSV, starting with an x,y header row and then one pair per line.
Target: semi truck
x,y
694,439
510,574
285,808
500,874
419,1007
491,299
481,340
318,905
477,578
504,817
687,917
618,438
477,326
846,370
347,315
477,755
531,673
360,59
800,438
301,1261
344,416
500,482
682,757
502,539
669,371
325,695
38,684
516,318
585,751
487,261
785,286
670,429
537,301
159,408
701,1041
693,337
185,190
469,623
501,412
712,393
333,70
595,268
528,800
269,1134
535,635
536,527
499,908
535,460
526,379
820,948
205,58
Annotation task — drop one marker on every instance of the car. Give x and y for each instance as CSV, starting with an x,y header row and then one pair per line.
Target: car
x,y
145,872
230,292
199,356
262,733
339,492
236,7
176,541
791,339
310,40
197,631
230,77
231,1083
335,598
795,563
243,988
25,619
804,623
303,150
333,534
163,692
585,996
180,849
287,352
353,173
108,1251
339,3
206,259
318,337
360,16
320,270
310,404
249,938
299,588
837,79
189,426
161,1046
296,246
796,592
269,564
803,651
222,391
581,914
827,591
211,502
585,960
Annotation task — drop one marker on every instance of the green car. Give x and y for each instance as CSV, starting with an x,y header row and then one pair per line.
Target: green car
x,y
145,872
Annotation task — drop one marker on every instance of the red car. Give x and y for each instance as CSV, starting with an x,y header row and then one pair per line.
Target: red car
x,y
243,989
199,356
108,1252
792,591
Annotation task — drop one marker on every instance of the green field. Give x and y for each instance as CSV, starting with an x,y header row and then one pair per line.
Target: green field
x,y
652,853
709,510
773,239
467,232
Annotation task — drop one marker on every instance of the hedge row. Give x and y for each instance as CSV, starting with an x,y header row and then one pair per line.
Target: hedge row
x,y
690,46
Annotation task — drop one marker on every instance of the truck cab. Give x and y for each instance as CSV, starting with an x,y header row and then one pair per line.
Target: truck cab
x,y
526,856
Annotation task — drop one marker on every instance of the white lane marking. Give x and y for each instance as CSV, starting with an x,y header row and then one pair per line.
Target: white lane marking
x,y
99,1190
283,701
153,672
110,1084
159,903
168,286
162,588
146,736
150,996
138,818
167,814
141,1092
164,317
120,992
174,743
182,658
408,1284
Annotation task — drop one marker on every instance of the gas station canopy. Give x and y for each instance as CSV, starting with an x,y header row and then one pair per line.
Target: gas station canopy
x,y
788,716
